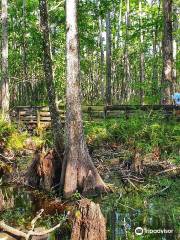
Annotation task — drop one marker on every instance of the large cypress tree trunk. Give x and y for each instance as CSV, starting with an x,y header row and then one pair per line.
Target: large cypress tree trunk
x,y
167,50
79,172
5,78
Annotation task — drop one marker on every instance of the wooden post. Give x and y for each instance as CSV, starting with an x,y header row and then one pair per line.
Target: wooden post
x,y
90,113
105,112
38,120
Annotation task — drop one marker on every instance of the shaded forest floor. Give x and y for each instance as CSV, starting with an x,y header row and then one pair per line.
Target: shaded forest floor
x,y
137,192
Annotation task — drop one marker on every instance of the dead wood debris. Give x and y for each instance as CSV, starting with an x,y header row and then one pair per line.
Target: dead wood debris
x,y
31,232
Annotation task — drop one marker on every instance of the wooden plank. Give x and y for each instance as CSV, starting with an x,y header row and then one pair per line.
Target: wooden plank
x,y
114,113
45,119
97,113
44,114
44,109
141,107
28,121
93,108
28,115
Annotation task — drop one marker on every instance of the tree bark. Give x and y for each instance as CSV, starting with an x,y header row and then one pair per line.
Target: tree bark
x,y
102,58
79,172
175,45
108,59
142,63
44,171
26,84
5,78
125,88
89,224
167,51
49,78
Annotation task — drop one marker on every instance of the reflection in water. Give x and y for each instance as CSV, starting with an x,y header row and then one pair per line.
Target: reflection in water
x,y
121,224
18,206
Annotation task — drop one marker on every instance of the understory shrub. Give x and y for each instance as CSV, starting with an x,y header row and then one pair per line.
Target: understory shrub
x,y
11,137
142,130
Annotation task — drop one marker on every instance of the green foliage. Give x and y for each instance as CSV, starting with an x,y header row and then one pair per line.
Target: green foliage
x,y
16,140
25,49
50,220
141,130
17,215
10,137
76,196
5,130
96,132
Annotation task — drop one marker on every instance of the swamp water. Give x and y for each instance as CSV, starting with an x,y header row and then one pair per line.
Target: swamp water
x,y
124,213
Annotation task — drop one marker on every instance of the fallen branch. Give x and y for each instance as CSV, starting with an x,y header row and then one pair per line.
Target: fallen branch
x,y
12,230
127,206
55,7
132,184
45,232
133,178
168,170
7,159
159,192
30,233
36,218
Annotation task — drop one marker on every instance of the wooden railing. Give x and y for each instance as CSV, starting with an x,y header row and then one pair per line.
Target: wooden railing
x,y
41,115
128,109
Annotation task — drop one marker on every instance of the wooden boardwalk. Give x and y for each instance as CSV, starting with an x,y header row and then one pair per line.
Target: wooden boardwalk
x,y
40,115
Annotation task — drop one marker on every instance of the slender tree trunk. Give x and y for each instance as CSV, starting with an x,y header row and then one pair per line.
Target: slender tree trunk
x,y
155,77
125,90
102,58
48,70
175,44
26,83
79,172
108,59
5,78
154,70
119,44
167,50
119,31
142,68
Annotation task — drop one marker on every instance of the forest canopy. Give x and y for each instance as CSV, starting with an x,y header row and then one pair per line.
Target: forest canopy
x,y
133,31
89,111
